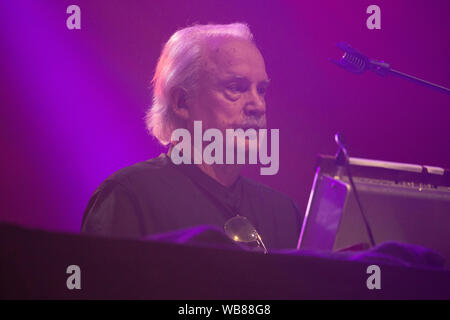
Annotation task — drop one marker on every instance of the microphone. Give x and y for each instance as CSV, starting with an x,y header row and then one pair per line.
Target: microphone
x,y
354,61
342,158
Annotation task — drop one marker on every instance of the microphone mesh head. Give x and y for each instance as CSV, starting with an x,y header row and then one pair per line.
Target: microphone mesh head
x,y
353,63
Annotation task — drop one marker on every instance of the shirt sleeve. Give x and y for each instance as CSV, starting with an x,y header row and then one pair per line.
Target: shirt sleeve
x,y
113,211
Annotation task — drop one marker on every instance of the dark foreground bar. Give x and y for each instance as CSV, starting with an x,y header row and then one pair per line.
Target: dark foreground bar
x,y
33,265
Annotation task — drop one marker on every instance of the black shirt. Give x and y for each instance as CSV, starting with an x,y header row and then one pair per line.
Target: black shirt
x,y
157,196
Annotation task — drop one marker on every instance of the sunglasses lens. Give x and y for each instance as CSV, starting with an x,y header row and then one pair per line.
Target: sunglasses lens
x,y
240,229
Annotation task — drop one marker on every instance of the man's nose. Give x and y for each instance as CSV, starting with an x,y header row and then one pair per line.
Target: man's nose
x,y
256,105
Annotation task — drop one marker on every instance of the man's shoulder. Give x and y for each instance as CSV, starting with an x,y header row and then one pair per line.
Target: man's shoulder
x,y
148,170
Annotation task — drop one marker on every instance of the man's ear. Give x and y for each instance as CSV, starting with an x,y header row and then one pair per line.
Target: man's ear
x,y
180,103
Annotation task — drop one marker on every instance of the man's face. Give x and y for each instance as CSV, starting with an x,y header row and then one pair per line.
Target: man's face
x,y
231,87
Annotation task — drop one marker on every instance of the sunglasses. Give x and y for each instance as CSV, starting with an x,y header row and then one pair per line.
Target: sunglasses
x,y
240,229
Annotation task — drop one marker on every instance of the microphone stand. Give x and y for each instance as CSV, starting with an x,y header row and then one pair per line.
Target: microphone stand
x,y
343,159
419,81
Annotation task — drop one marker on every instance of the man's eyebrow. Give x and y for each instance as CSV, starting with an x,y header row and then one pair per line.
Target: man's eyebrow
x,y
229,78
235,77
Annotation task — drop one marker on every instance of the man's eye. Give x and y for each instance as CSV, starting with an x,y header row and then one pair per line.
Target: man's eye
x,y
262,90
233,87
236,87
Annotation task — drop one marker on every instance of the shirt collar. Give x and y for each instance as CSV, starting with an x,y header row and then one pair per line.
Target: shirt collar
x,y
229,196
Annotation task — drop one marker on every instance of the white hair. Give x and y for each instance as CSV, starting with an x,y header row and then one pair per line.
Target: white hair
x,y
178,66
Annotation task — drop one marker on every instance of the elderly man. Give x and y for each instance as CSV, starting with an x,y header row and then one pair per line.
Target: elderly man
x,y
214,74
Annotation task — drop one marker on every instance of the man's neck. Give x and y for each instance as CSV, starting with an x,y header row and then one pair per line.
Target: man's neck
x,y
225,174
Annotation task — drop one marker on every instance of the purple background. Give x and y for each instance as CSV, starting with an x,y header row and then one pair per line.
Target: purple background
x,y
73,102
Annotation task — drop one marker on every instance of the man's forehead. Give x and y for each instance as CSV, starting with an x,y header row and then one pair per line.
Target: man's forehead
x,y
233,56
